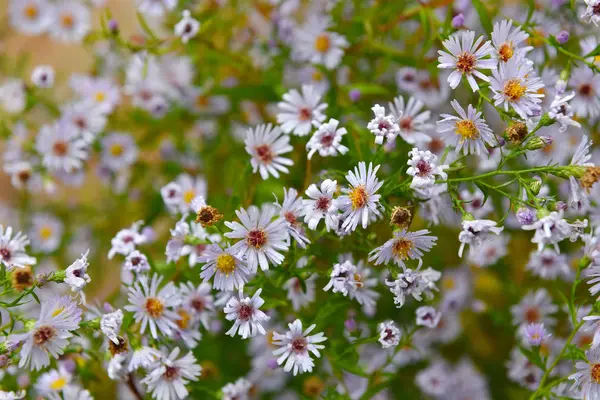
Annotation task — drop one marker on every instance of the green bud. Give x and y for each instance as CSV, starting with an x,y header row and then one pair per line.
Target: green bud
x,y
535,186
59,276
537,143
29,324
468,217
542,212
546,120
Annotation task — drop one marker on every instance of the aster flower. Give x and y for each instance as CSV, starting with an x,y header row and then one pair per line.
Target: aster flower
x,y
152,307
515,84
12,249
298,110
413,283
550,230
85,119
119,151
245,313
468,132
43,76
411,120
586,83
136,261
506,41
295,347
327,140
592,14
547,264
578,197
321,205
12,395
187,27
126,240
587,376
404,246
72,21
31,17
266,145
534,334
314,43
383,126
389,334
61,147
262,237
342,278
46,233
110,325
535,307
51,383
561,111
424,169
77,277
466,58
490,251
168,377
475,232
199,300
229,271
50,333
360,201
238,390
428,316
12,96
301,292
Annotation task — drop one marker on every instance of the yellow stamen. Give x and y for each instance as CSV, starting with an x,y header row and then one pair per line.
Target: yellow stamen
x,y
322,43
226,264
467,129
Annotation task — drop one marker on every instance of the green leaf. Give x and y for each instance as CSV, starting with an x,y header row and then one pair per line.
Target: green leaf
x,y
575,353
594,53
484,17
533,355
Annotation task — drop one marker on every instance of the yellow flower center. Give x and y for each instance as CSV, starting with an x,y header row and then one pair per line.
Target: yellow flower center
x,y
401,248
467,129
45,232
58,311
189,196
59,383
116,149
100,97
154,307
595,372
184,322
202,101
448,284
506,51
514,90
67,20
317,76
226,264
30,11
322,43
358,197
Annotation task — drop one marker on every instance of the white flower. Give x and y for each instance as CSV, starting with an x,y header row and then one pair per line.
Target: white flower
x,y
199,300
98,92
360,201
46,233
466,58
312,42
389,334
592,14
110,325
506,41
116,366
547,264
301,292
535,307
77,277
550,229
424,169
239,390
136,261
403,246
12,96
43,76
49,336
586,103
489,252
153,307
342,278
515,84
169,375
428,316
262,237
296,345
12,395
31,17
143,357
561,111
475,232
74,392
383,126
321,205
12,249
411,120
298,110
229,271
292,211
51,383
413,283
327,140
266,145
246,314
468,132
61,147
126,240
85,119
119,151
72,21
187,28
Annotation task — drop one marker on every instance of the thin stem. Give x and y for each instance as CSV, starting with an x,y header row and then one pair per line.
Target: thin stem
x,y
131,385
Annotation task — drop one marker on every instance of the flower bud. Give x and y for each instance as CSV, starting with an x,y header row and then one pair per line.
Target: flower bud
x,y
354,95
525,216
350,325
538,142
535,186
458,21
401,217
516,132
562,37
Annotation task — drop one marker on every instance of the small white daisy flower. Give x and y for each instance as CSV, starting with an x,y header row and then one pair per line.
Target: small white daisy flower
x,y
295,347
298,110
52,383
187,28
423,168
110,325
412,121
475,232
152,307
137,262
46,233
535,307
43,76
155,8
404,246
246,314
31,17
229,271
342,279
417,284
383,126
550,229
548,264
262,238
266,145
199,300
468,132
466,58
506,41
119,151
239,390
592,14
167,377
12,249
321,205
61,147
428,316
314,43
586,83
515,84
327,140
360,202
389,334
126,240
72,21
301,292
77,277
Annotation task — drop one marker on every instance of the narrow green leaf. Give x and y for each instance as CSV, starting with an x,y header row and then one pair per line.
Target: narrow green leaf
x,y
484,17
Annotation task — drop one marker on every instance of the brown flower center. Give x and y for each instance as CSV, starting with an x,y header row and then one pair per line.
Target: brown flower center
x,y
506,52
299,345
358,197
245,312
43,334
595,373
466,62
257,238
532,315
60,148
322,204
514,90
154,307
402,247
264,153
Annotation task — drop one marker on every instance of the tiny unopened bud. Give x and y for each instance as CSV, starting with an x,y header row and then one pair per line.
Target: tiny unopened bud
x,y
535,186
458,21
354,95
272,363
113,26
538,142
525,216
69,365
562,37
23,380
590,177
401,217
350,325
501,141
516,132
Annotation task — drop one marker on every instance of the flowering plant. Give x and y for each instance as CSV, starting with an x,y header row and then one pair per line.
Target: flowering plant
x,y
288,199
